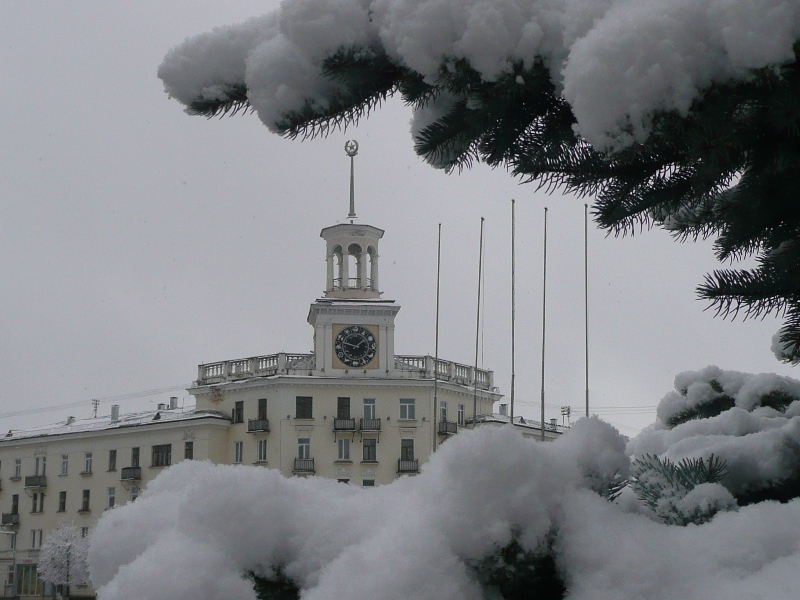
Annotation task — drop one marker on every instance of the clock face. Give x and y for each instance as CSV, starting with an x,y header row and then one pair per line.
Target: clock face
x,y
355,346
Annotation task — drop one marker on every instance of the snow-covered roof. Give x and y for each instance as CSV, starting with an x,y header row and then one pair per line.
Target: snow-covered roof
x,y
521,422
103,423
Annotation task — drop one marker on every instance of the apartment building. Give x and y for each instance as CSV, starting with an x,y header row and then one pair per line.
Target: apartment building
x,y
71,473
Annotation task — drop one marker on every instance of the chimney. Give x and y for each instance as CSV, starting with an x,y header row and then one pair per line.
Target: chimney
x,y
162,406
114,413
173,402
504,410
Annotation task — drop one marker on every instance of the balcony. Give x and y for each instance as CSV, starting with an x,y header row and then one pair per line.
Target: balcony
x,y
35,482
408,466
303,465
370,425
257,425
425,367
448,427
10,519
131,474
344,424
256,366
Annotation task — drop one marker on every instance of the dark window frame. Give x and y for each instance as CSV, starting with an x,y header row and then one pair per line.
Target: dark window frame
x,y
304,407
370,450
162,455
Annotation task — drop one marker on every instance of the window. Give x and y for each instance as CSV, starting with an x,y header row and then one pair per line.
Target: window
x,y
262,451
29,583
112,497
12,543
188,450
162,455
461,414
343,480
112,460
38,503
40,465
344,449
238,449
369,449
62,501
87,463
407,409
64,464
406,449
238,412
343,408
15,504
134,457
84,532
134,493
303,407
36,538
262,408
85,501
442,411
369,408
17,468
304,448
368,483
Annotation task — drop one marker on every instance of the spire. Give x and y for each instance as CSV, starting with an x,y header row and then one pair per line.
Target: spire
x,y
351,149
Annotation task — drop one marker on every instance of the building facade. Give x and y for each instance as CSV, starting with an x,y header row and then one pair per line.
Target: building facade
x,y
71,473
352,410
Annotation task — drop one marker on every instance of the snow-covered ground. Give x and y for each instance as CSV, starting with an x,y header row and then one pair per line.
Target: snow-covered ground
x,y
199,527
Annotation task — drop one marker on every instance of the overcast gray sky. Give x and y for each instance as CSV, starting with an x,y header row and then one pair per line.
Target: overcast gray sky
x,y
138,242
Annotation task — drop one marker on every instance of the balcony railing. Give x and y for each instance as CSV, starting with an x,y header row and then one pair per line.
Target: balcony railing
x,y
370,425
10,519
257,425
353,283
344,424
408,466
425,367
448,427
410,367
303,465
130,474
35,481
256,366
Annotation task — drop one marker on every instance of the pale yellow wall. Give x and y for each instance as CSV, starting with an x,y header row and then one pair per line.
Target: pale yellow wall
x,y
285,428
204,433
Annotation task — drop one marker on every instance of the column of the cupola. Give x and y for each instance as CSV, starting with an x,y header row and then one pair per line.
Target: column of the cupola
x,y
329,259
363,275
345,283
373,261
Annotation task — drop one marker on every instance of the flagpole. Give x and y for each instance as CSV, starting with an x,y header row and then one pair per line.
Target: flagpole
x,y
436,351
586,293
513,307
544,313
477,333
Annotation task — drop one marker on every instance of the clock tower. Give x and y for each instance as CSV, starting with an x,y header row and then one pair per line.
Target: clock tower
x,y
353,325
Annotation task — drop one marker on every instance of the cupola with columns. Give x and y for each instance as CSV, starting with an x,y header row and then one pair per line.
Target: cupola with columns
x,y
353,326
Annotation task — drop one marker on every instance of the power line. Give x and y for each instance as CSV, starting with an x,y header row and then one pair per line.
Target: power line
x,y
84,403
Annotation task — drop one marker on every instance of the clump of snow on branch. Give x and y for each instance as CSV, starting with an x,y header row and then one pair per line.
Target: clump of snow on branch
x,y
63,559
198,528
615,61
753,424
